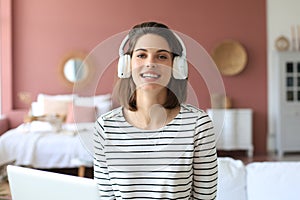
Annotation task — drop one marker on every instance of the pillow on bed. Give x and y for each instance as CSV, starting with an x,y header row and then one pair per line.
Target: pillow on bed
x,y
80,114
55,104
55,107
92,100
103,103
60,97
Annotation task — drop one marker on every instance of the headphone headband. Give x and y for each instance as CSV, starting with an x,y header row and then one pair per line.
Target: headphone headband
x,y
181,43
125,40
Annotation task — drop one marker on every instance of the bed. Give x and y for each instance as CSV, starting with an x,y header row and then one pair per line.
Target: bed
x,y
65,142
38,145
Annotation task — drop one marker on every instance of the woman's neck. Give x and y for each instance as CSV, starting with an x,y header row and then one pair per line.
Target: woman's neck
x,y
150,112
146,99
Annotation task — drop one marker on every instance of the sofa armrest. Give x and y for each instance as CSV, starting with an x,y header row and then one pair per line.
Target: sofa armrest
x,y
231,179
3,124
273,180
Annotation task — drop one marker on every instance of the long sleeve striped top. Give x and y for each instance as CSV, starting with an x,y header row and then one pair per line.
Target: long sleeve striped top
x,y
178,161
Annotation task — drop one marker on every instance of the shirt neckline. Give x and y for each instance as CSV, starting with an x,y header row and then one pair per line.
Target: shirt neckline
x,y
152,130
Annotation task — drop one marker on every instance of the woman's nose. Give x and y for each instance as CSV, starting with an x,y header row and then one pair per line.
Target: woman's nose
x,y
150,61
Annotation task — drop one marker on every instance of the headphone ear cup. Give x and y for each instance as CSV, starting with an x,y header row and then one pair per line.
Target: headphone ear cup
x,y
124,66
180,68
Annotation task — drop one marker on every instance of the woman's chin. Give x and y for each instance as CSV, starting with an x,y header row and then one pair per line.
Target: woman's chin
x,y
151,86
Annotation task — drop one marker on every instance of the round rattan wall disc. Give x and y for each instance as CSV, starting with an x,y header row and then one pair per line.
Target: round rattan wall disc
x,y
230,57
282,44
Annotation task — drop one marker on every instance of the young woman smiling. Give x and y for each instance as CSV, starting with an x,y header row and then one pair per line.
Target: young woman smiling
x,y
154,146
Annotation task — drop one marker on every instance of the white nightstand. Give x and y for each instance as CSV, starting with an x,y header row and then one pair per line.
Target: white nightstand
x,y
233,129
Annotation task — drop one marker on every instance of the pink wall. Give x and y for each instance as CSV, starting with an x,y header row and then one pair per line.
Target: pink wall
x,y
6,54
45,31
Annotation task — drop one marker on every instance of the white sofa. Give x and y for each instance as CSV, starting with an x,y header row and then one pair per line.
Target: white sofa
x,y
258,180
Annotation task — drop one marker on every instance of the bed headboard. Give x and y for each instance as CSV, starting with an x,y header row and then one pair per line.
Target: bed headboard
x,y
3,124
15,117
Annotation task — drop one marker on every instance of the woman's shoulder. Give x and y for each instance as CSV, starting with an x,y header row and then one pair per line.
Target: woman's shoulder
x,y
192,109
115,113
192,112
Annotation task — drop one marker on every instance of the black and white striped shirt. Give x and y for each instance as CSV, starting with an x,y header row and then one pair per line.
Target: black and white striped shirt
x,y
178,161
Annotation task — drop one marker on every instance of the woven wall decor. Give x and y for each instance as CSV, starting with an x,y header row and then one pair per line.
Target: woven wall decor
x,y
230,57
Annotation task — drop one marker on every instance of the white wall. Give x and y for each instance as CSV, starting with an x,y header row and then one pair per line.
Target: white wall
x,y
281,15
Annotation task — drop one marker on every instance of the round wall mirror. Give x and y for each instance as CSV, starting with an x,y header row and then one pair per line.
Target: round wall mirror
x,y
74,68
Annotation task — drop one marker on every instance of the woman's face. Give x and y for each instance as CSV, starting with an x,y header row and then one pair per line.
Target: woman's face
x,y
151,62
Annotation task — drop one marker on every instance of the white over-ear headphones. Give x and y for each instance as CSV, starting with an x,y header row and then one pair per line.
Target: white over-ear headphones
x,y
180,66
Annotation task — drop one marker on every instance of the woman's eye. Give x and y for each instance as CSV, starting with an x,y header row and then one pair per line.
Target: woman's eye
x,y
162,57
141,56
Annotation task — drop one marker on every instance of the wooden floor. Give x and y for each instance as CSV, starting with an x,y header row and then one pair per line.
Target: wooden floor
x,y
235,155
4,189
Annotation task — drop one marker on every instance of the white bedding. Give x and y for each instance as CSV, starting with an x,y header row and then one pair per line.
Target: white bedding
x,y
38,146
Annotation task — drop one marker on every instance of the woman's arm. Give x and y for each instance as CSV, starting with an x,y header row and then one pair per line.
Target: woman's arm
x,y
205,160
101,174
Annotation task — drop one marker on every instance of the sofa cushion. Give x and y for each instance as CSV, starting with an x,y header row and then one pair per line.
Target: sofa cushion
x,y
231,179
273,180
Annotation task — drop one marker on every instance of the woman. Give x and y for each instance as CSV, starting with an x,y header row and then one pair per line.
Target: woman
x,y
154,146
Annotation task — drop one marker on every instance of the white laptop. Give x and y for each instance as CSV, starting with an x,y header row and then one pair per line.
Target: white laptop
x,y
32,184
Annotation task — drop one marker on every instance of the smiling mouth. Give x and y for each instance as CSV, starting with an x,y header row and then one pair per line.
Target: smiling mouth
x,y
150,75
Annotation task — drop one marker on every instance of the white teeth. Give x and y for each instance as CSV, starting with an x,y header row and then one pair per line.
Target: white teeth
x,y
148,75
